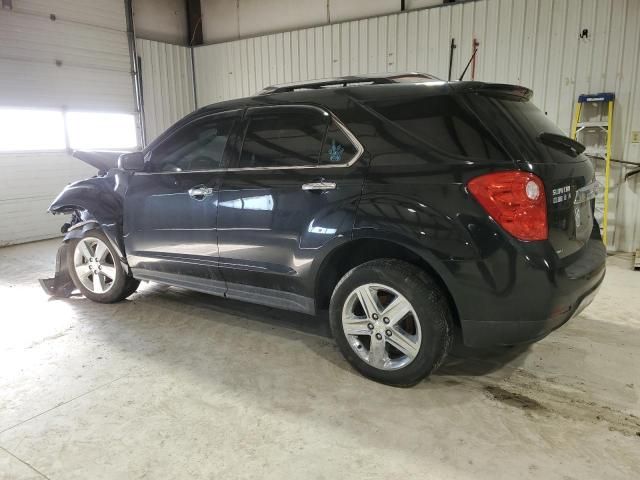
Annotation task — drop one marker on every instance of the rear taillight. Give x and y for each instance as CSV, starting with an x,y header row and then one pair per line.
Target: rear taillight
x,y
515,200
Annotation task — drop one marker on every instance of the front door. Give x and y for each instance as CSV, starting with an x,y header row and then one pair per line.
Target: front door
x,y
292,189
170,209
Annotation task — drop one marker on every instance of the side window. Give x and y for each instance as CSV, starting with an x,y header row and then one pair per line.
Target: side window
x,y
197,146
287,137
337,147
443,123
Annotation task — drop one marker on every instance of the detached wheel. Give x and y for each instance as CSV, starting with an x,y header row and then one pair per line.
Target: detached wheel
x,y
391,321
96,271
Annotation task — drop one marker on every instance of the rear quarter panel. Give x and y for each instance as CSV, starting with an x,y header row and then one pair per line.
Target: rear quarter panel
x,y
416,196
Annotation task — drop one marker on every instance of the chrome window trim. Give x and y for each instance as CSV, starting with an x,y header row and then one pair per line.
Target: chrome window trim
x,y
345,130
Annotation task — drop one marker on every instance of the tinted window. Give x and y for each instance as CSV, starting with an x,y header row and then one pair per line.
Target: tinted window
x,y
283,138
444,124
197,146
520,122
337,148
528,117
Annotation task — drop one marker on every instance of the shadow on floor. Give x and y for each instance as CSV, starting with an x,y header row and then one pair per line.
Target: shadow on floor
x,y
462,361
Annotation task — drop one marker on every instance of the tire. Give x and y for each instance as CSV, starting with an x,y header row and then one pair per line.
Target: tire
x,y
420,335
93,252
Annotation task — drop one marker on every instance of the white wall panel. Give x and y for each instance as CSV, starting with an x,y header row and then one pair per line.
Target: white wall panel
x,y
28,84
29,183
340,11
534,43
167,85
100,13
161,20
63,64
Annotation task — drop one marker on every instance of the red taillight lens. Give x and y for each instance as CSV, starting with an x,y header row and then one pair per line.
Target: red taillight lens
x,y
515,200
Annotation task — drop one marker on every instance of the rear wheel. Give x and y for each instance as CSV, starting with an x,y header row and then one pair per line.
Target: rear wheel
x,y
96,270
391,321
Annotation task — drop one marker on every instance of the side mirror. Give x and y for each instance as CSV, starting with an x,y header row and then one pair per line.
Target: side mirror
x,y
133,161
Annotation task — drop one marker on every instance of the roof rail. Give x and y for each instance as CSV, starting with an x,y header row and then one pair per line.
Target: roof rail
x,y
379,79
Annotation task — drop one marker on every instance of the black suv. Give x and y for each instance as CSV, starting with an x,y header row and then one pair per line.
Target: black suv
x,y
412,209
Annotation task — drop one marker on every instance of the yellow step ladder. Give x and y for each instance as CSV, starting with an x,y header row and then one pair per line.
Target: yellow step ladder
x,y
605,99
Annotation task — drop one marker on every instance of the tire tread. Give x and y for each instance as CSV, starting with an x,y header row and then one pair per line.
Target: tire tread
x,y
434,300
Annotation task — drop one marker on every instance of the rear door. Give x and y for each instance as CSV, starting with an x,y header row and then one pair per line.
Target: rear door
x,y
170,210
292,189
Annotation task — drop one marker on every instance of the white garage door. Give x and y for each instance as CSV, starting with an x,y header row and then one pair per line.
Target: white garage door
x,y
65,82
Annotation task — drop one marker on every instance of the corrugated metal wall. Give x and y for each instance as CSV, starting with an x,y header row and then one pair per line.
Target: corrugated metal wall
x,y
56,54
529,42
167,84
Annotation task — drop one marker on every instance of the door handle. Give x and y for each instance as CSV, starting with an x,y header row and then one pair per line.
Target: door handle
x,y
320,185
200,192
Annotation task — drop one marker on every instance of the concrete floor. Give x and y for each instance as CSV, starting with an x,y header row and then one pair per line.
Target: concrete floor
x,y
172,384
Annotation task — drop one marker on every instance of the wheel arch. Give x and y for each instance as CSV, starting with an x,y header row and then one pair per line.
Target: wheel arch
x,y
360,250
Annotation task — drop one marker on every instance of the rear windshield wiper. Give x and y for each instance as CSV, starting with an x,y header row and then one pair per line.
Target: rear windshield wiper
x,y
561,142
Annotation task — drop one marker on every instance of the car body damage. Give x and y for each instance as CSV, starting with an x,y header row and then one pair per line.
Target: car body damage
x,y
278,199
93,203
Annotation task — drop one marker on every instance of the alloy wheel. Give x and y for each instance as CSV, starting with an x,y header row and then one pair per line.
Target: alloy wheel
x,y
381,326
94,265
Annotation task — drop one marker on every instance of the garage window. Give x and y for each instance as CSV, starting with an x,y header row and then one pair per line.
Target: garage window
x,y
25,129
30,129
105,131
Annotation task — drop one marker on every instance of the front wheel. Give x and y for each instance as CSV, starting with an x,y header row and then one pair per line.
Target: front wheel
x,y
391,321
96,270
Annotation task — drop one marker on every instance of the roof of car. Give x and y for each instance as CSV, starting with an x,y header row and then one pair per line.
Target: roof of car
x,y
316,90
361,88
353,80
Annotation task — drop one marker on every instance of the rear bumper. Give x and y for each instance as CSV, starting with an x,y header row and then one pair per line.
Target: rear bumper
x,y
538,300
506,332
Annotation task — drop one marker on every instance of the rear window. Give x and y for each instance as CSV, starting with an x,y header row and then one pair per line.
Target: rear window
x,y
443,123
284,138
294,137
527,116
520,123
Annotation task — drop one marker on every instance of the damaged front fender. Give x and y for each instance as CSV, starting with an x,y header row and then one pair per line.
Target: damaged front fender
x,y
97,200
96,203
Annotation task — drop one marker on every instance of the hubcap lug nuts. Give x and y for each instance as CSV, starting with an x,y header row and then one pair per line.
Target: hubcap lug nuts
x,y
378,336
388,332
374,316
385,320
370,326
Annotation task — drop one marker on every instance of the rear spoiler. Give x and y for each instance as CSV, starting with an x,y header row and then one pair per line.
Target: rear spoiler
x,y
493,89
